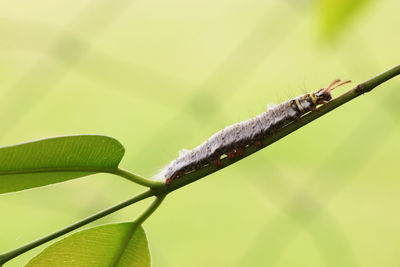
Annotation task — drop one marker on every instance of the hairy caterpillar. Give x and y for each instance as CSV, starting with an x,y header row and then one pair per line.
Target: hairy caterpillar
x,y
232,140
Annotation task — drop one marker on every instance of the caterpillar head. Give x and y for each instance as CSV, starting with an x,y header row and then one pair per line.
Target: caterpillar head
x,y
324,95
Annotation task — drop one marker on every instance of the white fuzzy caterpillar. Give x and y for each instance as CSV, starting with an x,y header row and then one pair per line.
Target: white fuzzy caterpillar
x,y
232,140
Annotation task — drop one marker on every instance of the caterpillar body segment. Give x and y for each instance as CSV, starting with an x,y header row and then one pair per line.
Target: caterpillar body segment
x,y
232,140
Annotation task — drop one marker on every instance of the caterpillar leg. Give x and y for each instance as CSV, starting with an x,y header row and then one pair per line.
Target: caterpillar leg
x,y
218,162
169,180
231,154
297,118
239,151
258,143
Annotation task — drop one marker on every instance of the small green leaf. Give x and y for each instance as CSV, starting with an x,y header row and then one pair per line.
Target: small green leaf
x,y
119,244
57,159
335,15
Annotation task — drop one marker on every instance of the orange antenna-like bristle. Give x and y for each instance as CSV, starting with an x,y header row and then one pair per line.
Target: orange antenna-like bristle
x,y
328,88
340,84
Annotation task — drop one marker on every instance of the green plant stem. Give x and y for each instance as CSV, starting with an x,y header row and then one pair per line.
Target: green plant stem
x,y
14,253
136,178
160,189
150,209
139,221
120,172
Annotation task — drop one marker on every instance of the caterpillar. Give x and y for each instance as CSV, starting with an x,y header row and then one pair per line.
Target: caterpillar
x,y
232,140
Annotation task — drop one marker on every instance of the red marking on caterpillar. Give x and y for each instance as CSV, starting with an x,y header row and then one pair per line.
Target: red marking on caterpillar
x,y
232,140
231,154
258,143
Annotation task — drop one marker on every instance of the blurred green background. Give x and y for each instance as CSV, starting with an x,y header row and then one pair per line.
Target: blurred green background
x,y
163,75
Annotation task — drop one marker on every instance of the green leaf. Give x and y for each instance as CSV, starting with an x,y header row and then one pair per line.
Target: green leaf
x,y
335,15
57,159
119,244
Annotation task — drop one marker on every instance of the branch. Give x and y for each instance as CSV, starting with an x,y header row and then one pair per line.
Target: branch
x,y
150,209
136,178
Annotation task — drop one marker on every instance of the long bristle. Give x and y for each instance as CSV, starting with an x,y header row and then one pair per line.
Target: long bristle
x,y
340,84
330,86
